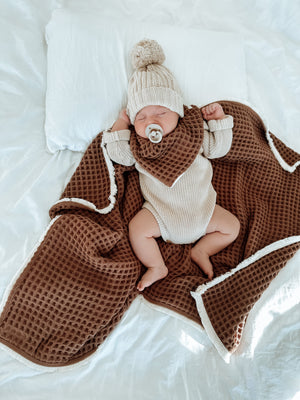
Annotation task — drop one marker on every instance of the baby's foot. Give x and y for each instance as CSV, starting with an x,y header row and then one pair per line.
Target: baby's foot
x,y
152,275
202,259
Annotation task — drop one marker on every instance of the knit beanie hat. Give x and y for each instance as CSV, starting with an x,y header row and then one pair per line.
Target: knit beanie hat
x,y
151,83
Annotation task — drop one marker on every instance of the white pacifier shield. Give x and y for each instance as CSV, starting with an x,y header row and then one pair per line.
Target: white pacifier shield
x,y
154,133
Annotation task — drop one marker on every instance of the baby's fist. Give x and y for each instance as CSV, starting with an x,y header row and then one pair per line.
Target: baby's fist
x,y
122,122
123,115
213,111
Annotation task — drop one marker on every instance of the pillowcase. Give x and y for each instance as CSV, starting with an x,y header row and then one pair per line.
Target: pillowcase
x,y
88,67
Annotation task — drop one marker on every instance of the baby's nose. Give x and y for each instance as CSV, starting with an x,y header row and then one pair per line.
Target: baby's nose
x,y
150,120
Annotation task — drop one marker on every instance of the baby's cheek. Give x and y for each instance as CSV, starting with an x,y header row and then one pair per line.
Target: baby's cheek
x,y
140,130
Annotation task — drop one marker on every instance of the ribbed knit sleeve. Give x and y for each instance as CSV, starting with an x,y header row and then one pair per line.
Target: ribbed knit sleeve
x,y
217,137
118,148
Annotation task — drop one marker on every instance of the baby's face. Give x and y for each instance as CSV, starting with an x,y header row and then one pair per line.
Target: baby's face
x,y
159,115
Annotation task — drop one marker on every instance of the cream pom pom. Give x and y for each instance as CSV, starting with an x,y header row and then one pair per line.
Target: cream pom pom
x,y
147,52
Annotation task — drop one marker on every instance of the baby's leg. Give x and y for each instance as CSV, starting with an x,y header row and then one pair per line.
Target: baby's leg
x,y
143,229
223,229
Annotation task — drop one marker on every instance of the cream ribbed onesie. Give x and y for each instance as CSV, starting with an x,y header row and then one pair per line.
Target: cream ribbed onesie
x,y
183,210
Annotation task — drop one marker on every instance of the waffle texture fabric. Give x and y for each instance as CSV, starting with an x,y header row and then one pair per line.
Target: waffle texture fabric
x,y
82,276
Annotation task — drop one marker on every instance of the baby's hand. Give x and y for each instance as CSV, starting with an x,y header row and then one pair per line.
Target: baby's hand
x,y
123,115
123,122
213,111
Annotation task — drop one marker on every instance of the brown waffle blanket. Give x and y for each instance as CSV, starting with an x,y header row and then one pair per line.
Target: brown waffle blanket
x,y
82,276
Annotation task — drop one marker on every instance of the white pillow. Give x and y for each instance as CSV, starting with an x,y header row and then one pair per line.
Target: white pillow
x,y
89,67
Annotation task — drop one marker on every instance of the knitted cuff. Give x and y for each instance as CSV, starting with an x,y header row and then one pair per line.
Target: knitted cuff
x,y
116,136
220,124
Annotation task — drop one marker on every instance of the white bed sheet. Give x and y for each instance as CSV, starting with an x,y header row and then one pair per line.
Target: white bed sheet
x,y
151,354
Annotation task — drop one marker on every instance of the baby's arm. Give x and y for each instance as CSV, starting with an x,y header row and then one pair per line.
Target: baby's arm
x,y
116,141
217,131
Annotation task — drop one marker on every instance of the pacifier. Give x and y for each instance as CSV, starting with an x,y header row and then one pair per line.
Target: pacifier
x,y
154,133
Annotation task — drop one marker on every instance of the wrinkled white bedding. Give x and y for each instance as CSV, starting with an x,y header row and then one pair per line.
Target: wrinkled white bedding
x,y
151,354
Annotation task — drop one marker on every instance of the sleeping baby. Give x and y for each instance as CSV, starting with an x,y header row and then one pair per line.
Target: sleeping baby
x,y
170,147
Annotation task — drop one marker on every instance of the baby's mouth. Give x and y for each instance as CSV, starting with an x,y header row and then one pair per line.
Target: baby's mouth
x,y
154,133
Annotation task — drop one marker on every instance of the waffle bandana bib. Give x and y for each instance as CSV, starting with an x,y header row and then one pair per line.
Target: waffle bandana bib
x,y
170,158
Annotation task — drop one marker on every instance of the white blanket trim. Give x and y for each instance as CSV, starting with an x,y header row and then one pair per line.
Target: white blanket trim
x,y
13,353
113,189
284,165
197,295
282,162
